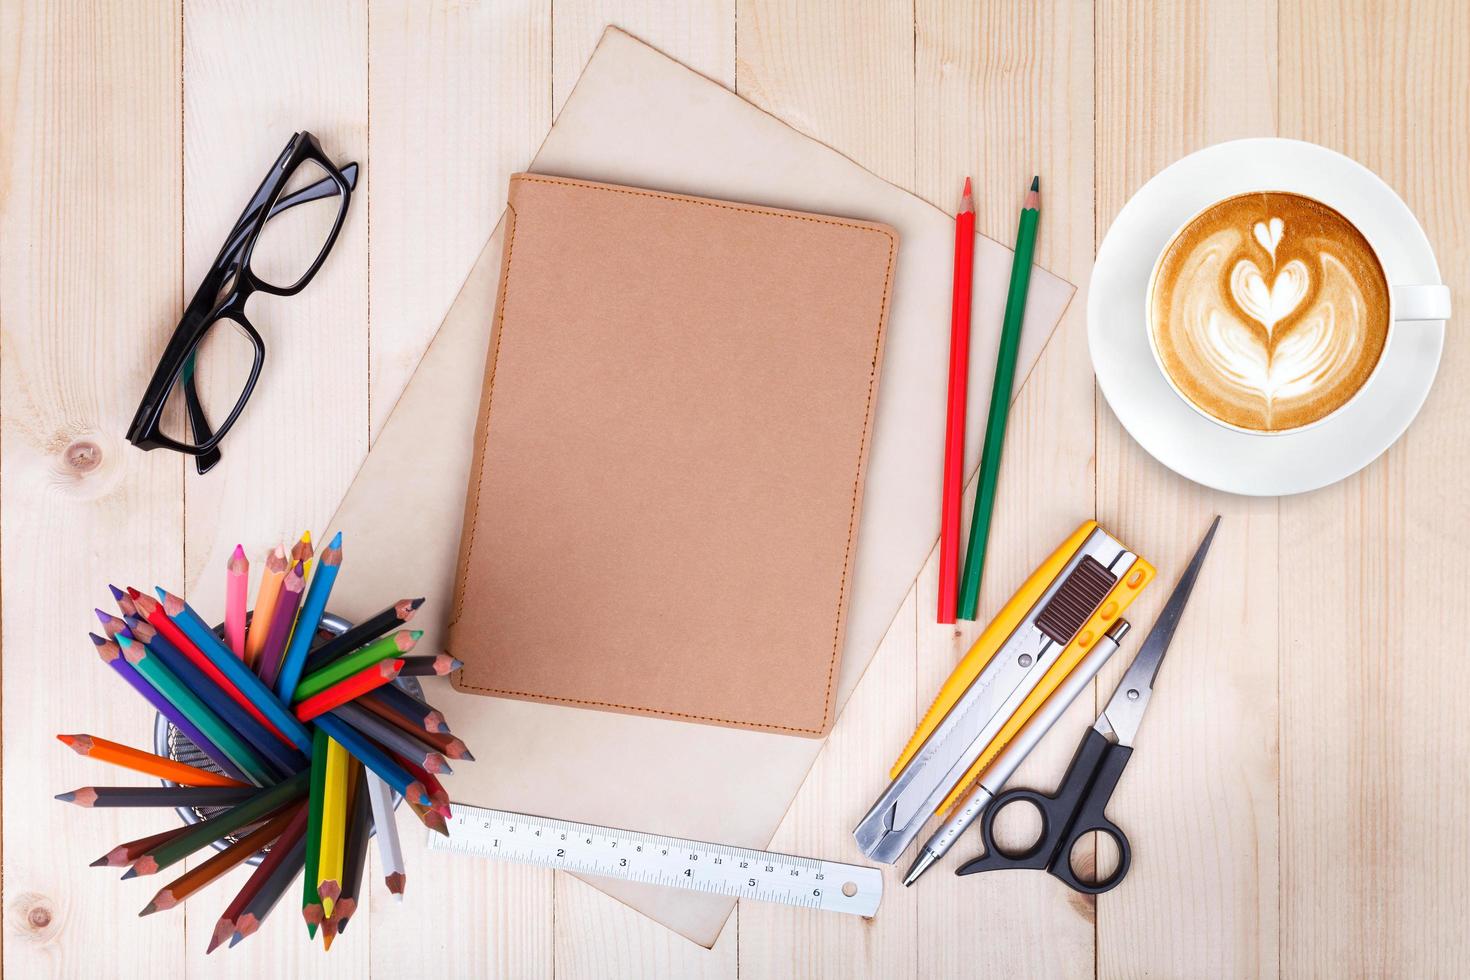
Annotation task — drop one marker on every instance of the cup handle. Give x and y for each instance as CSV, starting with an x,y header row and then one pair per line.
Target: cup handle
x,y
1421,301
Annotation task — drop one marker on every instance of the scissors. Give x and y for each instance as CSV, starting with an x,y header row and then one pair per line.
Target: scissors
x,y
1076,808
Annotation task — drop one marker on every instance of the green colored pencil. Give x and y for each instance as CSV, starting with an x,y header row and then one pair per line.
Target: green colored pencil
x,y
167,683
206,832
1000,400
311,902
392,645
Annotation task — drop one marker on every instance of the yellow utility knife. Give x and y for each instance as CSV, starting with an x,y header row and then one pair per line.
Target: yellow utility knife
x,y
1021,658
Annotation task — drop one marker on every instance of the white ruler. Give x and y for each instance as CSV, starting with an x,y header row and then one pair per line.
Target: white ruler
x,y
669,861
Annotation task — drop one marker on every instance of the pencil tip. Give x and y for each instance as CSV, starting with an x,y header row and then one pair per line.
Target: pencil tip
x,y
148,909
66,797
99,863
239,551
1036,183
130,873
416,603
116,592
967,187
96,640
336,540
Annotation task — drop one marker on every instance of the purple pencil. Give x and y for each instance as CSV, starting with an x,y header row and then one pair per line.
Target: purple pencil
x,y
111,655
283,617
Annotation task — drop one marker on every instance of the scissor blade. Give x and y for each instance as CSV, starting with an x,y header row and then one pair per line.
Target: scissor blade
x,y
1125,709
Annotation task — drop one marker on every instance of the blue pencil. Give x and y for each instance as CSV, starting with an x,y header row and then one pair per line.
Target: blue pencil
x,y
111,655
307,621
235,671
281,758
358,746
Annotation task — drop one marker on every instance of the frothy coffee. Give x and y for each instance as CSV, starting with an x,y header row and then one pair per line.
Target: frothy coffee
x,y
1269,311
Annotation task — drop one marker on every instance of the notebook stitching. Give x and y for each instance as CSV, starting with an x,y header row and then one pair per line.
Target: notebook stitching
x,y
856,483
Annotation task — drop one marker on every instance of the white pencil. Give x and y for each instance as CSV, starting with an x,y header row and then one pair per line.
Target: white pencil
x,y
386,828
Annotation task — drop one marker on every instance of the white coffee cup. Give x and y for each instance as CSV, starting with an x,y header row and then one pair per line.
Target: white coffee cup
x,y
1408,303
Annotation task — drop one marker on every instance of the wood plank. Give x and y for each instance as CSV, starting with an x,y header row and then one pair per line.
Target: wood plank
x,y
1005,92
1200,795
254,73
1374,855
848,775
595,935
843,74
90,234
459,98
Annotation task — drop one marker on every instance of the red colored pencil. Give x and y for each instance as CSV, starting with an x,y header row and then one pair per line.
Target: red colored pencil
x,y
354,686
954,426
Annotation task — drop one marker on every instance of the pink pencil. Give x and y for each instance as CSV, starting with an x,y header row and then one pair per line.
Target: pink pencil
x,y
237,580
283,617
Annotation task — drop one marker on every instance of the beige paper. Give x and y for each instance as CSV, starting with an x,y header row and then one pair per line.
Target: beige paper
x,y
637,117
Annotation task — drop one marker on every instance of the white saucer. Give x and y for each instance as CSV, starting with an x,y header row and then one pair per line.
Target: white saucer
x,y
1173,432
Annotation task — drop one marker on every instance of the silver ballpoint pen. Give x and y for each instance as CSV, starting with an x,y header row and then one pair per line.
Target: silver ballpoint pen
x,y
968,809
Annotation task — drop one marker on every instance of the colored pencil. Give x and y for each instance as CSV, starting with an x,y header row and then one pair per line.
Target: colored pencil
x,y
433,789
447,745
111,625
363,633
170,796
355,686
311,903
392,738
282,619
1000,401
111,655
208,871
418,711
269,894
237,582
167,683
124,603
391,646
301,553
280,756
954,419
265,604
437,665
354,854
125,854
385,827
154,612
226,822
334,829
289,841
312,608
145,762
375,759
251,687
430,818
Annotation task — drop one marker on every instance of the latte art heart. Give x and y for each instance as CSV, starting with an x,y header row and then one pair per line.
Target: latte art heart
x,y
1269,311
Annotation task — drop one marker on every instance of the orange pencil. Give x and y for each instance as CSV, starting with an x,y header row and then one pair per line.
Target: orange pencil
x,y
265,603
145,762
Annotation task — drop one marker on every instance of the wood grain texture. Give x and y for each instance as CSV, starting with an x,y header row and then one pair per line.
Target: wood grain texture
x,y
1373,743
90,236
1201,792
1297,802
458,100
1005,93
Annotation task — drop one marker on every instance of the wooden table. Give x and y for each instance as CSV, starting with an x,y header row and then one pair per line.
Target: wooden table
x,y
1298,803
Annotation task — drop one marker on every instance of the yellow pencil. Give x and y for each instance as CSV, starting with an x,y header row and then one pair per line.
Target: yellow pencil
x,y
334,828
265,603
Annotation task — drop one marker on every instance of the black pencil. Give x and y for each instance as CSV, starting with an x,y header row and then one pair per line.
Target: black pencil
x,y
418,711
365,632
429,665
101,796
354,857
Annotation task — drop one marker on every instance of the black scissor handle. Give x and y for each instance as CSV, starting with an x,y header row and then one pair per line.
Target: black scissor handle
x,y
1075,810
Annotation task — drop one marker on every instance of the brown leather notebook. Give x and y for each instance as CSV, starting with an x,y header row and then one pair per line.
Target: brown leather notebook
x,y
668,470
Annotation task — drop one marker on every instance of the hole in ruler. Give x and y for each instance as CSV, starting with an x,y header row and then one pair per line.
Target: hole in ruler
x,y
849,888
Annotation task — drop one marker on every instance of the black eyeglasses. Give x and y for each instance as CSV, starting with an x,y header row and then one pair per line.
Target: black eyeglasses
x,y
276,246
